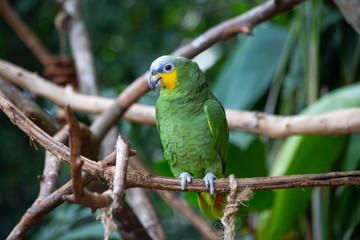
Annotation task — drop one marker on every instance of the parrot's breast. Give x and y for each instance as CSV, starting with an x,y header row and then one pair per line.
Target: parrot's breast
x,y
186,139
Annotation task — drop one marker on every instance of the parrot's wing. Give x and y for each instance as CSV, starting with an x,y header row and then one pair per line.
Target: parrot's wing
x,y
216,118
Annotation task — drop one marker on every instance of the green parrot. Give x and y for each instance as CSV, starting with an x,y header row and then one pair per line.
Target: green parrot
x,y
192,126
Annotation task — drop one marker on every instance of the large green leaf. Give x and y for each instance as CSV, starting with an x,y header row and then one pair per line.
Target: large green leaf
x,y
305,154
247,74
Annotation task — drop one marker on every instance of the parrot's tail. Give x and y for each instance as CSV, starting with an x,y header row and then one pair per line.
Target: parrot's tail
x,y
212,207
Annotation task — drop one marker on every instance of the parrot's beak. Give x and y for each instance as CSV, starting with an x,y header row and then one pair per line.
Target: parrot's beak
x,y
155,81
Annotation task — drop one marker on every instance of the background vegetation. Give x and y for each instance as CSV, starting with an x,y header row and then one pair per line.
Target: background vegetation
x,y
302,62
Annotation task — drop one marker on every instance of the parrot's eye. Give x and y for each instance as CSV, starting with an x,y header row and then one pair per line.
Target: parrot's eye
x,y
168,67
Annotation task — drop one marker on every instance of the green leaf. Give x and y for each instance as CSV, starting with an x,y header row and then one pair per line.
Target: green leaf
x,y
247,74
305,154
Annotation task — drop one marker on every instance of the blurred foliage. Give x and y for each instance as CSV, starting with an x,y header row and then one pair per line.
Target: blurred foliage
x,y
305,61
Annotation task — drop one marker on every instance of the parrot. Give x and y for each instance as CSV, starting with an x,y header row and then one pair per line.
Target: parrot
x,y
192,126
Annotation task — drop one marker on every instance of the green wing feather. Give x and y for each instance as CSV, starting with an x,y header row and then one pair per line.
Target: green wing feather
x,y
216,117
215,114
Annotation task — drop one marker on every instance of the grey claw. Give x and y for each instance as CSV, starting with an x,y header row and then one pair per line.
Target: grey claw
x,y
185,177
209,180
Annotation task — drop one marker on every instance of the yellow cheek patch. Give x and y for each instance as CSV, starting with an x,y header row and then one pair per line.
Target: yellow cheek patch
x,y
170,79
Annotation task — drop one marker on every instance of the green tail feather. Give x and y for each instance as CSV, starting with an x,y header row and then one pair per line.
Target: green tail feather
x,y
212,208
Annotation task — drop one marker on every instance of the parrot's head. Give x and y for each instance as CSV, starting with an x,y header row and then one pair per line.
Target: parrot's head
x,y
173,73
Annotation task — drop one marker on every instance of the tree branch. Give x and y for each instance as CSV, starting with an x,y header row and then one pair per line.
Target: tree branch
x,y
332,123
80,195
52,168
331,179
144,180
122,160
240,24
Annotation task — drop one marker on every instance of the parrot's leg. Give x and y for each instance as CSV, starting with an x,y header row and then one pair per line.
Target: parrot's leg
x,y
209,181
185,177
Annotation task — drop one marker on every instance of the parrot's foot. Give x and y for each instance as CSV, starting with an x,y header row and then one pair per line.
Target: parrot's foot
x,y
185,177
209,181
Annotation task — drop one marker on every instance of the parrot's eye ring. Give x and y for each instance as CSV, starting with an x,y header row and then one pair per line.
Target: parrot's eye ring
x,y
168,67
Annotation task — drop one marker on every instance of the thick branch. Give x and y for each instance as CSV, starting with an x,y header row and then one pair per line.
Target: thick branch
x,y
332,123
331,179
338,122
138,179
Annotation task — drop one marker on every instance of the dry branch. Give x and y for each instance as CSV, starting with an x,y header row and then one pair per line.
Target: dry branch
x,y
144,180
122,160
240,24
80,195
332,123
331,179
